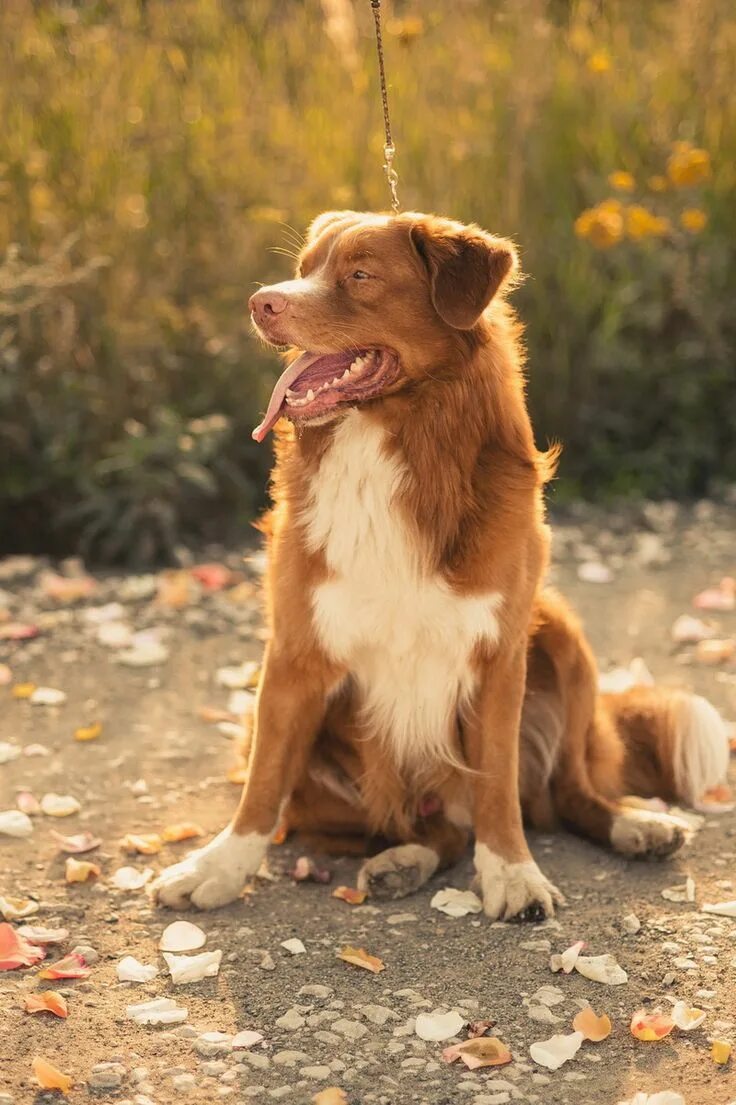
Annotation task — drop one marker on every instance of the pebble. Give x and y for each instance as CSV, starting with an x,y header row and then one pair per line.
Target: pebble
x,y
317,1074
352,1029
106,1076
210,1044
322,993
291,1020
378,1014
492,1098
289,1058
327,1037
214,1068
184,1083
281,1091
6,1099
254,1091
255,1059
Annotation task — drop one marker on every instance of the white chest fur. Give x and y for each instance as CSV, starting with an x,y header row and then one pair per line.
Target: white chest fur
x,y
406,637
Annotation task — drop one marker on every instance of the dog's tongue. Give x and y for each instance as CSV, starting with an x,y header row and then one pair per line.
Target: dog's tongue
x,y
278,395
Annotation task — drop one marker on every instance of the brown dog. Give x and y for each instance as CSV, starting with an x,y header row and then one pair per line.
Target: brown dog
x,y
411,644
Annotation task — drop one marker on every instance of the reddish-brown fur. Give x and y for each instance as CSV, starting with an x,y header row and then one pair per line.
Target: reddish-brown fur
x,y
471,498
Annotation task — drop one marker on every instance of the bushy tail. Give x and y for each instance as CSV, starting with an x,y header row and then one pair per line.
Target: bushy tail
x,y
676,743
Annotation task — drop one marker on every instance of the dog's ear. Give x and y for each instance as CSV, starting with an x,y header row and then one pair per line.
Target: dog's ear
x,y
327,218
465,267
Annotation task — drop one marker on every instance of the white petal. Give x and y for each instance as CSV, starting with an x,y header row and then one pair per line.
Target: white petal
x,y
59,805
557,1050
721,909
131,878
686,1017
601,968
158,1011
438,1026
47,696
192,968
182,936
130,970
456,903
294,946
15,823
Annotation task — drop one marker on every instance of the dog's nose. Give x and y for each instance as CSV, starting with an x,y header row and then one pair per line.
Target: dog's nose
x,y
267,303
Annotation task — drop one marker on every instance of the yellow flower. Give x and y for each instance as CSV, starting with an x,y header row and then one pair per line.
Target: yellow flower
x,y
599,62
603,225
688,166
693,219
622,181
642,223
658,183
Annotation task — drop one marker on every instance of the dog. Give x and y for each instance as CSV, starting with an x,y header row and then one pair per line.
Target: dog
x,y
420,684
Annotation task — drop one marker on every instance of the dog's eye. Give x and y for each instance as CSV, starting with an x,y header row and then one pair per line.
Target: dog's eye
x,y
360,275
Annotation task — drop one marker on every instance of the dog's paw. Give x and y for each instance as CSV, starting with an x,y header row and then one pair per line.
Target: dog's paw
x,y
642,834
211,876
514,891
398,871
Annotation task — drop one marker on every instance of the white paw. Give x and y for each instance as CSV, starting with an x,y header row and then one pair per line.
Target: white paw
x,y
213,875
398,871
514,890
642,833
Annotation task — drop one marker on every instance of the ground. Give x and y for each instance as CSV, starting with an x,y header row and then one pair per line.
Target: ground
x,y
156,762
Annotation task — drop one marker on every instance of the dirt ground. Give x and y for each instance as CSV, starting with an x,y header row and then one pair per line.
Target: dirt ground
x,y
156,762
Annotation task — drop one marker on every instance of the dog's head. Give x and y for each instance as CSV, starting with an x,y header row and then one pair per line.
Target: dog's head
x,y
378,301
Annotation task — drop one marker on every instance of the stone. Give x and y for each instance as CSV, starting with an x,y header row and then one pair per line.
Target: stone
x,y
291,1020
255,1059
322,993
327,1037
353,1030
214,1068
106,1076
317,1074
211,1044
184,1083
289,1058
378,1014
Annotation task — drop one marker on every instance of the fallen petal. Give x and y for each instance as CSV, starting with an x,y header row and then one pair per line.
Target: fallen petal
x,y
182,936
722,597
456,903
359,958
49,1001
690,630
143,844
236,679
305,869
88,732
477,1029
333,1095
593,1027
8,752
27,803
131,878
294,946
651,1026
37,934
76,870
557,1050
601,968
192,968
567,960
438,1026
47,696
16,952
13,909
15,823
77,843
59,805
721,1052
73,965
715,652
350,895
130,970
488,1051
183,830
49,1078
687,1018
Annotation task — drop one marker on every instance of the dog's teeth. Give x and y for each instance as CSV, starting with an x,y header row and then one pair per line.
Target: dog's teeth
x,y
336,381
310,395
346,374
290,393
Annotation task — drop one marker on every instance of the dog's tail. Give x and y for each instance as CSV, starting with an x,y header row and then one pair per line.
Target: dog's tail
x,y
676,743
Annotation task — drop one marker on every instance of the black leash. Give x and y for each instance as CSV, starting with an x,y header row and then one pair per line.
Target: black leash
x,y
389,150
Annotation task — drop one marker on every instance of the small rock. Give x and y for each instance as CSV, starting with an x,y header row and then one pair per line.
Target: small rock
x,y
213,1068
314,991
378,1014
210,1044
353,1030
106,1076
184,1083
289,1058
317,1074
291,1020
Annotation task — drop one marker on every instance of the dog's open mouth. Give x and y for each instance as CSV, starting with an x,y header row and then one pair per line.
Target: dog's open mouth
x,y
316,383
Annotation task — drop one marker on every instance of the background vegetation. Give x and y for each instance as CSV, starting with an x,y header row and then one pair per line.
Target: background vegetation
x,y
152,154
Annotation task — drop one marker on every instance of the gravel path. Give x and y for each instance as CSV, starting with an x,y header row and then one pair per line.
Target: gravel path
x,y
325,1023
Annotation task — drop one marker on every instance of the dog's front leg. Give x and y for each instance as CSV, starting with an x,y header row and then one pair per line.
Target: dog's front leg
x,y
512,885
290,709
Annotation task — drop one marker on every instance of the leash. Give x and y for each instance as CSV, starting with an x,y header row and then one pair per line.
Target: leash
x,y
389,150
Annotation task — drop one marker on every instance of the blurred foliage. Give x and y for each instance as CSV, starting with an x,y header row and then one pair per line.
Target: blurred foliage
x,y
153,154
